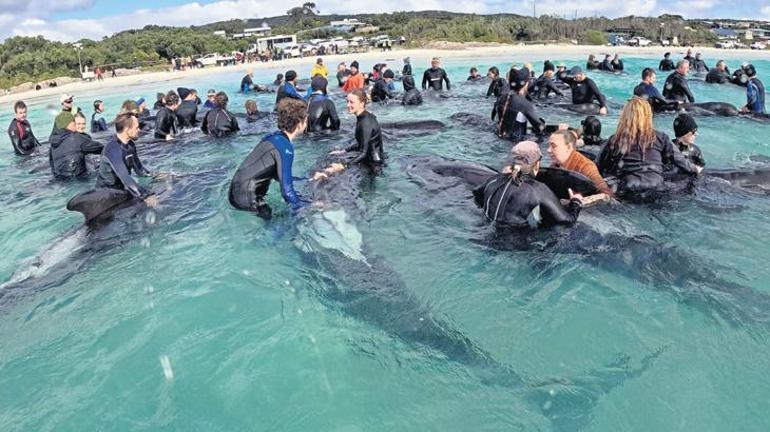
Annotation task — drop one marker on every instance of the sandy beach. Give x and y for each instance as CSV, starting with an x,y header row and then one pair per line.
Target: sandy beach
x,y
517,53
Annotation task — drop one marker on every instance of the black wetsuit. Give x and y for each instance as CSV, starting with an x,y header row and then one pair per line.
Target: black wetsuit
x,y
522,203
368,141
593,65
716,76
380,92
407,70
617,65
270,160
321,113
219,123
585,91
411,95
341,75
690,59
690,152
666,65
497,87
23,140
639,172
676,88
186,114
435,78
117,162
158,105
98,124
67,155
699,66
165,123
606,66
513,112
542,88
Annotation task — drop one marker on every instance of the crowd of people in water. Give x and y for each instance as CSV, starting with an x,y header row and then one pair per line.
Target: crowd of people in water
x,y
633,163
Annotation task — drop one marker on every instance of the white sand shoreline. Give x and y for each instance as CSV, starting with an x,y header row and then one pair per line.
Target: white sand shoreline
x,y
518,53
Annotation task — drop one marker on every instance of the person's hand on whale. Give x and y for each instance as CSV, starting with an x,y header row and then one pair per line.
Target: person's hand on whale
x,y
151,201
603,111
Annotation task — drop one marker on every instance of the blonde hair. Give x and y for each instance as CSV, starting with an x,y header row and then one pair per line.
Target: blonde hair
x,y
634,127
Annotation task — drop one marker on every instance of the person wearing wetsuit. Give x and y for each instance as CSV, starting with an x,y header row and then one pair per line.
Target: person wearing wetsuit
x,y
411,94
666,64
67,155
252,111
718,75
685,131
543,86
517,200
513,110
380,90
689,58
247,82
755,92
584,89
20,131
637,153
210,97
739,77
407,70
278,79
698,65
342,74
187,111
288,89
591,135
271,159
219,122
119,158
166,123
647,90
617,63
160,102
474,75
321,112
498,85
676,87
606,65
368,145
435,76
98,123
592,64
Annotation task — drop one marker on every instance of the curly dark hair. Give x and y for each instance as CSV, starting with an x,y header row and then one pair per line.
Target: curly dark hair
x,y
221,100
172,98
291,112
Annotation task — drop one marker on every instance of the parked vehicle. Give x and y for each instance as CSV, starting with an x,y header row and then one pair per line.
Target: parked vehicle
x,y
758,46
725,44
215,60
639,41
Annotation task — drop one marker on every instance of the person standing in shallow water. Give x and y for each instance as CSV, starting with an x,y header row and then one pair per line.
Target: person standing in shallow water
x,y
435,76
20,131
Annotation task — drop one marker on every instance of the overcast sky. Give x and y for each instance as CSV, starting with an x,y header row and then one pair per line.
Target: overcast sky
x,y
69,20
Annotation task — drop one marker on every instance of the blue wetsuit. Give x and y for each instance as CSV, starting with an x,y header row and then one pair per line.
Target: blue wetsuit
x,y
755,96
648,90
287,90
98,124
118,160
270,160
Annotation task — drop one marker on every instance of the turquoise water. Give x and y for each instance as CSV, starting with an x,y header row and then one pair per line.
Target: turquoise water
x,y
200,317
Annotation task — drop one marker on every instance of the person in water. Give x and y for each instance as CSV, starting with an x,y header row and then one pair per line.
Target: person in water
x,y
755,92
219,122
160,102
187,111
646,88
271,159
592,63
252,111
321,112
368,145
606,65
119,158
20,131
67,155
210,99
698,65
666,64
514,110
380,90
591,132
676,87
685,131
247,82
407,69
288,89
498,84
689,58
411,94
98,123
617,63
166,123
584,89
562,148
67,113
474,75
544,85
515,199
278,80
342,74
435,77
355,80
319,68
636,154
718,75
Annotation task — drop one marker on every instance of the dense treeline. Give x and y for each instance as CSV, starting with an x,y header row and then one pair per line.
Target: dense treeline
x,y
25,59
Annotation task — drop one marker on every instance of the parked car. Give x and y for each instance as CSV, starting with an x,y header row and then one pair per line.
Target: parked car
x,y
758,46
292,51
639,41
739,45
725,44
215,60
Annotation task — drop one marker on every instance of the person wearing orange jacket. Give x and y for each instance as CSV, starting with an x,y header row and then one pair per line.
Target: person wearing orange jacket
x,y
355,80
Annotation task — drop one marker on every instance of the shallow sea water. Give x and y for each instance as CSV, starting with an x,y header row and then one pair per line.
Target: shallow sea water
x,y
200,317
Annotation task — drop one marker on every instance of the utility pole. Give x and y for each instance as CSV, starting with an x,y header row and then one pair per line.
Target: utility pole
x,y
78,46
534,9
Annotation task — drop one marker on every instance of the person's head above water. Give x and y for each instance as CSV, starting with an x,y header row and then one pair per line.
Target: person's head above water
x,y
635,126
221,100
667,55
685,129
525,158
66,101
291,76
648,75
721,65
292,116
592,130
577,73
127,126
341,67
750,70
79,123
388,75
20,110
130,106
548,67
251,106
356,102
561,145
493,72
520,79
354,67
98,106
683,66
435,62
172,99
319,83
408,83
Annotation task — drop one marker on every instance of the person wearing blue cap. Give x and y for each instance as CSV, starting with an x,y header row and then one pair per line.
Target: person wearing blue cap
x,y
98,123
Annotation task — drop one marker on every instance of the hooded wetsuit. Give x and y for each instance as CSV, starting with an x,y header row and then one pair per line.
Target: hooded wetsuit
x,y
270,160
368,141
523,202
676,88
23,140
287,90
186,114
219,123
98,124
165,123
67,155
755,96
513,112
321,113
435,77
411,95
585,91
117,162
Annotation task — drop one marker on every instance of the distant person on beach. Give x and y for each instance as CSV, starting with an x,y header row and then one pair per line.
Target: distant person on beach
x,y
666,64
20,131
435,76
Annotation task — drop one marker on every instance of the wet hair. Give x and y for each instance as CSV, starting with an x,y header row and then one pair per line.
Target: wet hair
x,y
251,106
647,72
160,96
78,114
635,127
681,63
129,106
495,71
123,121
360,94
279,77
171,98
291,112
473,69
569,137
19,105
96,104
221,100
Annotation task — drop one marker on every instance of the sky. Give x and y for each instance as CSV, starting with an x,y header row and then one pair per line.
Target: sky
x,y
71,20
